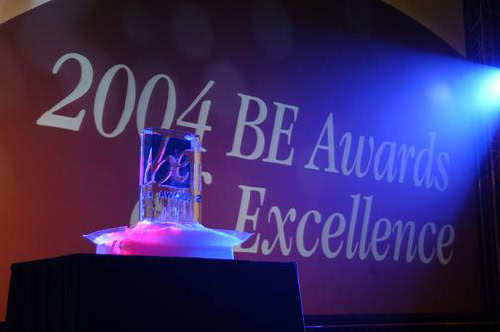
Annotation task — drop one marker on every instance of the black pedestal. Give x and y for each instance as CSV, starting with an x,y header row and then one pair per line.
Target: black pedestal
x,y
119,293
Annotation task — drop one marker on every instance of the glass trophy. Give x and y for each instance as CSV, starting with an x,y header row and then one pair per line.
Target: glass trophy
x,y
169,205
170,176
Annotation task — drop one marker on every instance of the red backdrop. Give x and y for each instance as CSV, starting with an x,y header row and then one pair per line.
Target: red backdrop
x,y
354,157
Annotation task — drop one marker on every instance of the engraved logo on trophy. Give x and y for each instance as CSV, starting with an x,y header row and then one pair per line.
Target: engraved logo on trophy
x,y
175,172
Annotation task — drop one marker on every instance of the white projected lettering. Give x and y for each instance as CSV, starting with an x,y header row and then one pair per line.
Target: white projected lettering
x,y
66,122
264,133
278,131
385,161
50,119
340,234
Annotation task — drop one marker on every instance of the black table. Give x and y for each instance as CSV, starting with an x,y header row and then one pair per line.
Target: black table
x,y
132,293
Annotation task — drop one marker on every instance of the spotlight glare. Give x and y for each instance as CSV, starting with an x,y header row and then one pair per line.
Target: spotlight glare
x,y
489,96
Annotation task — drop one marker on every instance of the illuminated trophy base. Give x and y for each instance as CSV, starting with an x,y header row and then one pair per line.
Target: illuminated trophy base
x,y
169,239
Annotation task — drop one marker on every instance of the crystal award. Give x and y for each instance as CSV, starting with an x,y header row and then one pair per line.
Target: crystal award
x,y
170,176
169,205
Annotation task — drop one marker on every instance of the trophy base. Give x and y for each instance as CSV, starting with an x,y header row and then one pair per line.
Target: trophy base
x,y
168,239
129,248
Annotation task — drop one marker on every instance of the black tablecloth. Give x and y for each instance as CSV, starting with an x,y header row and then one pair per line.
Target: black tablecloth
x,y
118,293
